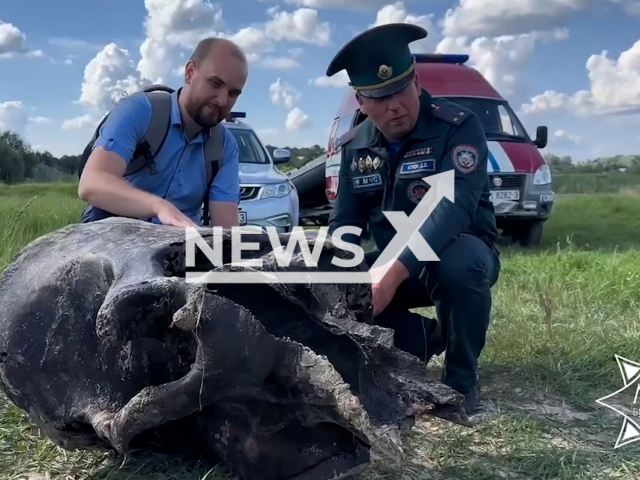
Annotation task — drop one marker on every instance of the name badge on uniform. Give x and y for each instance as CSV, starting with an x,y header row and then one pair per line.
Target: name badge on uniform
x,y
367,181
418,166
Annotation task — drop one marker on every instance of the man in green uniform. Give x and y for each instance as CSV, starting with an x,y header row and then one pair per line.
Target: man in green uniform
x,y
408,135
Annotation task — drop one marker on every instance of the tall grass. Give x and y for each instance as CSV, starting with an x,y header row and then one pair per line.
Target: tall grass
x,y
595,221
560,313
29,211
609,182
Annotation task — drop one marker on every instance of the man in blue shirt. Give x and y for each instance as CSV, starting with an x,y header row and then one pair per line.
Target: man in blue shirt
x,y
214,78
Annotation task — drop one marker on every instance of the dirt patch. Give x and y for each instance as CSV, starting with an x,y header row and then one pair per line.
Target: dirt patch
x,y
550,406
530,402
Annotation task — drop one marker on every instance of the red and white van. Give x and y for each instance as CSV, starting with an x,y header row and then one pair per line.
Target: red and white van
x,y
519,177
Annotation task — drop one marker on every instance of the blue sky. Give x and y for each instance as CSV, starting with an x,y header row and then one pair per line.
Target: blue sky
x,y
545,57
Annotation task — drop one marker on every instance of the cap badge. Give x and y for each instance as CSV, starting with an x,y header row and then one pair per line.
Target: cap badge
x,y
385,72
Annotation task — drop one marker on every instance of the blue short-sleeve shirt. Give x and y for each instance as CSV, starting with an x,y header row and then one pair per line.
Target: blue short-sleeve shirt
x,y
180,176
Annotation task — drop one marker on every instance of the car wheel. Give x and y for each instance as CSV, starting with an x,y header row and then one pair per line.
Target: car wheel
x,y
530,233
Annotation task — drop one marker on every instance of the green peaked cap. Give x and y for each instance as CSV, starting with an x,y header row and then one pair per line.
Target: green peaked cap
x,y
379,61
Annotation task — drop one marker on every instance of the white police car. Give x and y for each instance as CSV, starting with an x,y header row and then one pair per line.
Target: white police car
x,y
267,197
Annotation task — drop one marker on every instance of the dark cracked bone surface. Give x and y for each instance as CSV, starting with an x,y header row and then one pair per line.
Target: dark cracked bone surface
x,y
105,344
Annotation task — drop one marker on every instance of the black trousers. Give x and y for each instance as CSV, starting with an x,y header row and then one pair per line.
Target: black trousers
x,y
459,286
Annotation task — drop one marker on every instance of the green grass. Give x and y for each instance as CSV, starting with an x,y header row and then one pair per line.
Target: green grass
x,y
609,182
28,211
560,313
595,221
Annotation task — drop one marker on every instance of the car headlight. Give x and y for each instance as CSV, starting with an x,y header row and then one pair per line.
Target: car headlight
x,y
276,190
542,175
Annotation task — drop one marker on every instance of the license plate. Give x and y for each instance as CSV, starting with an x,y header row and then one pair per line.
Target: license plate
x,y
497,195
242,218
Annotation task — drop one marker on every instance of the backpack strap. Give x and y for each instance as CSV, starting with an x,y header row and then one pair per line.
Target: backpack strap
x,y
155,135
213,155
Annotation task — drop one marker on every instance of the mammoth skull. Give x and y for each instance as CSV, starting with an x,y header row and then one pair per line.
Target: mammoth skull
x,y
105,344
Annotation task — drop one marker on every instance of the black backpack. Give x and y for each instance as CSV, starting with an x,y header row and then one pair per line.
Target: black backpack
x,y
146,151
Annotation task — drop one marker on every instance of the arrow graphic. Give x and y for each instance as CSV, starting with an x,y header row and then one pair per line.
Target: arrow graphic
x,y
408,227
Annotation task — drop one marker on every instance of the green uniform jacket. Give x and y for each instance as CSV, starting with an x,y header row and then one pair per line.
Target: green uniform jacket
x,y
446,137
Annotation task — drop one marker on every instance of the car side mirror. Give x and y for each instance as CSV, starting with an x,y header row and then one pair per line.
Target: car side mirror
x,y
542,134
281,155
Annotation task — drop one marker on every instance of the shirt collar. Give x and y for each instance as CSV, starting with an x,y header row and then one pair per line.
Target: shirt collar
x,y
176,118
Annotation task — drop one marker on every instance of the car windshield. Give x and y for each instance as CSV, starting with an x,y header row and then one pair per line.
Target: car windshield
x,y
249,147
496,116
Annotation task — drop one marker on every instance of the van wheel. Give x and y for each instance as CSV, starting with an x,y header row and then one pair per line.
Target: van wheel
x,y
529,234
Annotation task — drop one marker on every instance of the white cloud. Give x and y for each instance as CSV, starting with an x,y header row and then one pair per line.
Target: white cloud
x,y
78,123
39,120
109,75
13,42
357,5
475,18
561,137
397,13
265,133
497,17
173,26
295,52
282,63
13,116
615,87
251,39
74,44
501,60
284,94
631,7
339,80
297,120
302,25
170,26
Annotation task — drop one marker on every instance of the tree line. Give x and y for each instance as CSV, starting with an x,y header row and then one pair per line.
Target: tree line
x,y
619,163
20,163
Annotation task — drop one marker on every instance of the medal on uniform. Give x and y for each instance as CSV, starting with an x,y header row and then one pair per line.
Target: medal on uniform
x,y
369,163
376,163
354,165
361,165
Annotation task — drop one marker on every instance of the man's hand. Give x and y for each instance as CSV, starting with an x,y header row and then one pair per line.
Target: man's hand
x,y
384,283
168,214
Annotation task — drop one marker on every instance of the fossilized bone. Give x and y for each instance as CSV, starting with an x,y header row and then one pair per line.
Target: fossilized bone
x,y
104,344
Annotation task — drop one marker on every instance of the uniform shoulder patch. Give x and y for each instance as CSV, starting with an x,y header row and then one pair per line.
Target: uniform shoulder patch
x,y
449,113
464,158
350,135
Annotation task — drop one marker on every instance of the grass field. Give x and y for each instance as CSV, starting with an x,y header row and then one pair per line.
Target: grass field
x,y
560,313
609,182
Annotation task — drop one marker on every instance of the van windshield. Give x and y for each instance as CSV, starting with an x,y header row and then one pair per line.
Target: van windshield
x,y
496,116
249,148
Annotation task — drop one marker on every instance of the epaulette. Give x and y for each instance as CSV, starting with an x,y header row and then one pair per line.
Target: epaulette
x,y
350,134
450,114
